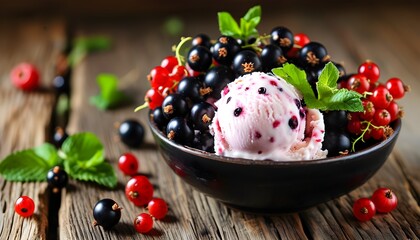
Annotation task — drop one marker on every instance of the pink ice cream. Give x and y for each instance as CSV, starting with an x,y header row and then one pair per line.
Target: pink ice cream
x,y
260,116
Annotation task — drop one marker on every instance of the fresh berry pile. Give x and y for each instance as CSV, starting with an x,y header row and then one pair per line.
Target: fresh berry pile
x,y
184,88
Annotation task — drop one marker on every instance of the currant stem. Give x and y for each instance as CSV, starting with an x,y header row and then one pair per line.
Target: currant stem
x,y
369,124
178,55
144,105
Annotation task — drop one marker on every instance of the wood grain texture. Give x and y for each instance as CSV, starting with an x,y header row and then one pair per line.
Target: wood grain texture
x,y
25,117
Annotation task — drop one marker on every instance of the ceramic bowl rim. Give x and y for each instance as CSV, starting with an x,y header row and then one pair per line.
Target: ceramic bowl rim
x,y
242,161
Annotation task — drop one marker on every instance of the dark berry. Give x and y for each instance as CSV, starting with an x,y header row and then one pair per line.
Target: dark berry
x,y
59,137
336,143
179,131
335,120
192,89
282,37
272,57
203,141
293,122
174,105
159,118
225,49
199,58
217,78
61,84
57,178
202,40
131,133
313,55
246,61
201,116
107,213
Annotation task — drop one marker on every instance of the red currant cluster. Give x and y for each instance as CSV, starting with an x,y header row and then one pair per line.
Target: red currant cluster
x,y
139,191
379,102
383,200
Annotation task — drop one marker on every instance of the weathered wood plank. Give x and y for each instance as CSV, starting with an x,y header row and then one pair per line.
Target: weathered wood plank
x,y
25,117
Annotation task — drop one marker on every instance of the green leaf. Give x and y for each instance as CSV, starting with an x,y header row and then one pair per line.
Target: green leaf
x,y
109,95
85,45
29,165
228,26
329,75
344,99
248,28
82,147
102,174
252,13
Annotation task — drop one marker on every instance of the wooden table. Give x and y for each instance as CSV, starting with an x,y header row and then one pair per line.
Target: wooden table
x,y
387,34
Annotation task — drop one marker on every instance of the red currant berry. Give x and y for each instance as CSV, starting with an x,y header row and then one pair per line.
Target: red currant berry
x,y
381,117
143,223
396,87
179,72
139,190
158,77
128,164
364,209
25,76
25,206
381,97
368,110
299,40
355,126
394,110
169,63
370,70
377,133
153,98
385,200
157,208
358,83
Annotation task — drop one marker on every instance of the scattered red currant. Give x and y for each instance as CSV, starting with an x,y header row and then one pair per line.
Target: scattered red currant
x,y
143,223
25,76
128,164
370,70
364,209
157,208
25,206
139,190
385,200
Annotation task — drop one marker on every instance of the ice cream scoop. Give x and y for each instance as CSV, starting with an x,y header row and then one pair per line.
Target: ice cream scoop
x,y
260,116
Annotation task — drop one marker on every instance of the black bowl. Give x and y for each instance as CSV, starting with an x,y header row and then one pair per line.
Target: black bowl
x,y
272,186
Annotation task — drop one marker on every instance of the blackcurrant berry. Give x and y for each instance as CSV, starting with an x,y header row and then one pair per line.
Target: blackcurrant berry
x,y
272,57
179,131
106,213
246,61
159,118
131,133
336,143
59,137
199,58
313,55
335,120
201,115
203,141
61,84
174,105
202,40
217,78
192,89
282,37
57,178
225,49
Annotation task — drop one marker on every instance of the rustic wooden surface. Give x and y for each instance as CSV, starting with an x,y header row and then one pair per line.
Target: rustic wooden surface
x,y
388,35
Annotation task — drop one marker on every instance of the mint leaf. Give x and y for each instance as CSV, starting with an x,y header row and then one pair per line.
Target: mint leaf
x,y
81,147
344,99
102,174
85,45
29,165
228,26
253,13
329,96
109,95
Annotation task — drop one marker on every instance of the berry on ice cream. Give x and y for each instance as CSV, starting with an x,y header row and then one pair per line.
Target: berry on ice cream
x,y
260,116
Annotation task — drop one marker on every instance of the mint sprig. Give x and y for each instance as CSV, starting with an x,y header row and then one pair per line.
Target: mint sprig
x,y
247,27
81,155
329,96
110,96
